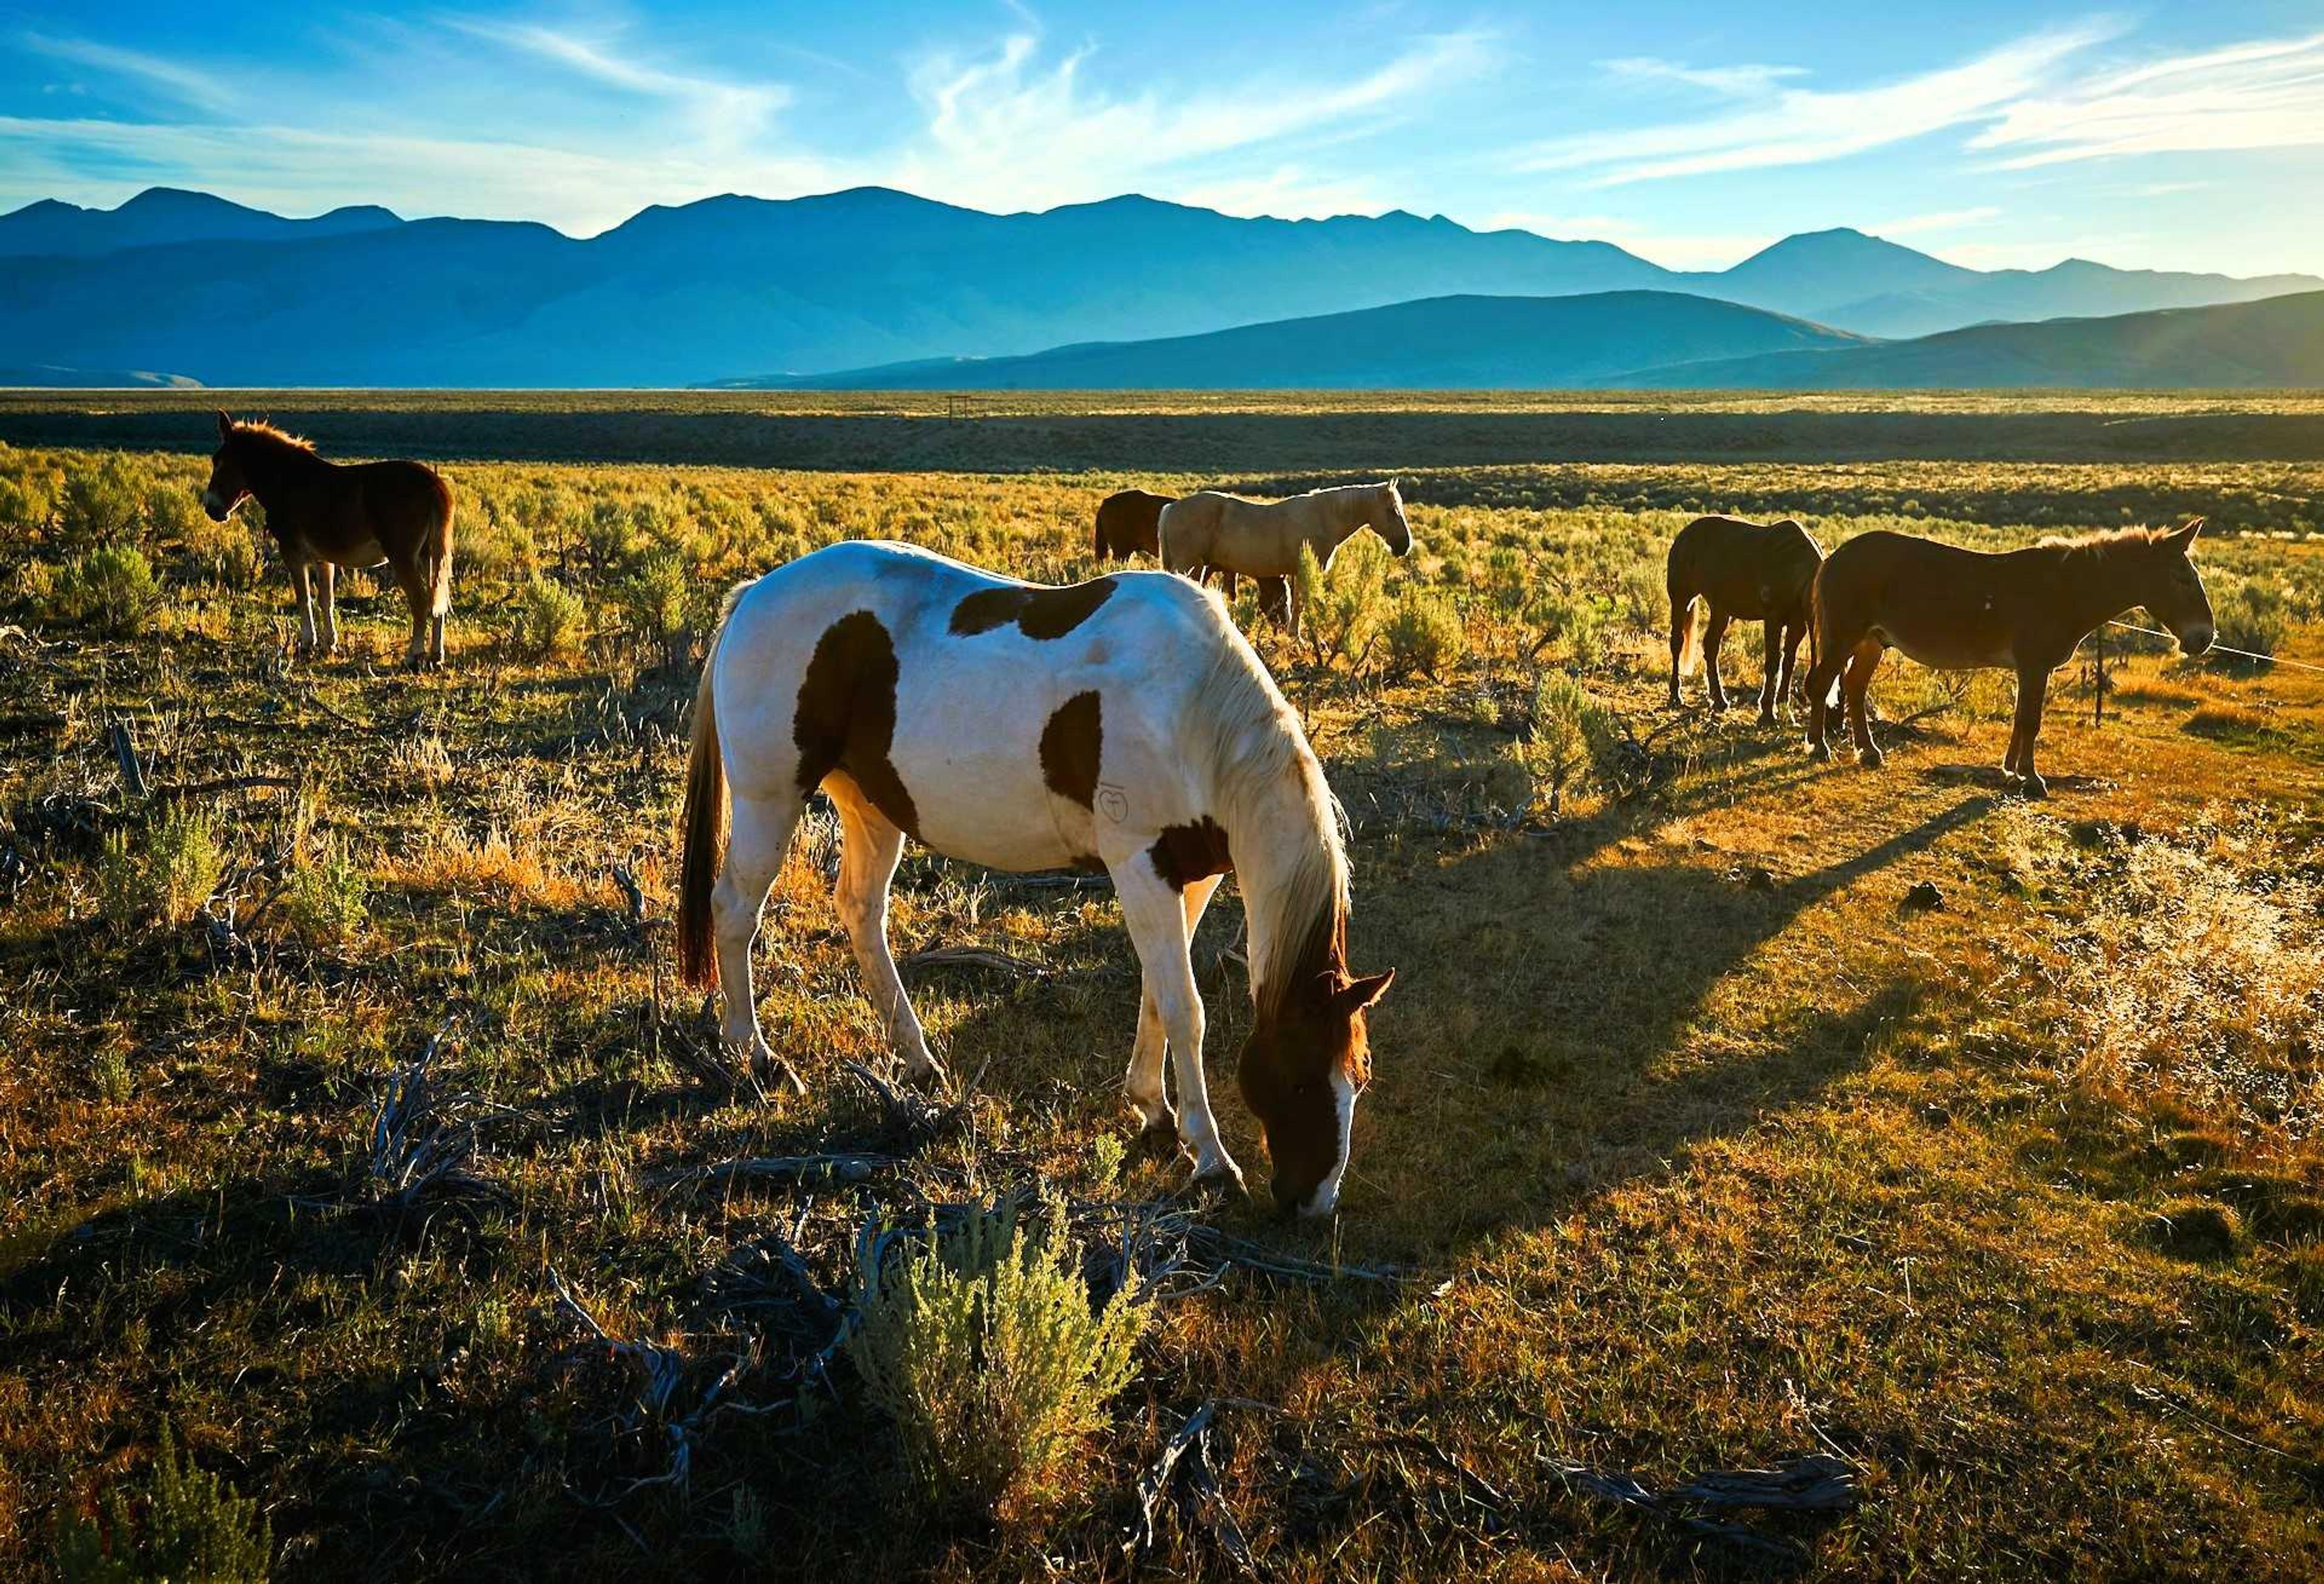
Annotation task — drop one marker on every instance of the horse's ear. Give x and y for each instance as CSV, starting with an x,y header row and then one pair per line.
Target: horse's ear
x,y
1360,993
225,425
2183,540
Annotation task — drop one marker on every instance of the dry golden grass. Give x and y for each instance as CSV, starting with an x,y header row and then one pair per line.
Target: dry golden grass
x,y
1695,1145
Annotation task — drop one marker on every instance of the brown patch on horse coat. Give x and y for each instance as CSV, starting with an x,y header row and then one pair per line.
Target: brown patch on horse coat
x,y
1184,854
1038,612
847,715
1071,744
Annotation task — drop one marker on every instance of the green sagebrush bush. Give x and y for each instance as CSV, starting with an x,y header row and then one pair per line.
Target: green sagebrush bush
x,y
1572,742
325,897
165,871
2252,615
194,1529
1423,634
111,589
546,619
980,1344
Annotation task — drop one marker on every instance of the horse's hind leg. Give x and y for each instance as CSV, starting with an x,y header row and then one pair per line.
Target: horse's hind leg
x,y
1275,600
420,598
302,590
1854,683
869,848
1714,634
762,834
1143,1083
1793,633
1681,605
1156,916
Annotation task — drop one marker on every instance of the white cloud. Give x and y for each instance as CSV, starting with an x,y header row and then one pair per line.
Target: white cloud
x,y
1944,220
2261,95
1744,81
727,116
1288,192
183,82
1005,130
1798,126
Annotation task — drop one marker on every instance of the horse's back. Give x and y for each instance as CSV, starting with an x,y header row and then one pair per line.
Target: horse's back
x,y
976,687
404,496
1747,569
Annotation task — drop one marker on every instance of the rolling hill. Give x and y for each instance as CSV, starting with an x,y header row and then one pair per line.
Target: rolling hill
x,y
1443,343
728,286
2277,344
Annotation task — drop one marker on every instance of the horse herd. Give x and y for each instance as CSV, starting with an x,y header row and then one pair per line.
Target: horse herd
x,y
1125,725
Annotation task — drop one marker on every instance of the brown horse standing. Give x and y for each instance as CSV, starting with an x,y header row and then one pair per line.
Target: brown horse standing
x,y
1128,524
1960,609
1747,571
325,515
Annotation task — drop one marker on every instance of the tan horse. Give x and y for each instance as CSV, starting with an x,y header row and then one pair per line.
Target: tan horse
x,y
325,515
1263,538
1741,571
1962,609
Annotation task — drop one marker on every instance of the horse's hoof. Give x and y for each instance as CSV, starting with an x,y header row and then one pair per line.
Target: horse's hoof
x,y
1159,1139
2033,786
1819,753
1871,758
1767,718
1220,1177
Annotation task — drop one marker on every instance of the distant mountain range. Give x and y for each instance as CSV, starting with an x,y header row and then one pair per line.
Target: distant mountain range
x,y
1647,340
734,287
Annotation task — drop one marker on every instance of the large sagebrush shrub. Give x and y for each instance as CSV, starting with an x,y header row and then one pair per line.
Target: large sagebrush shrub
x,y
182,1526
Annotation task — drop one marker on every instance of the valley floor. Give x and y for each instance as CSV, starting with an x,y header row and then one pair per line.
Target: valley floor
x,y
1702,1136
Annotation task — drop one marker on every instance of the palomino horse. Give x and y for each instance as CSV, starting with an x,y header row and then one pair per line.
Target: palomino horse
x,y
325,515
1263,538
1959,609
1120,724
1746,571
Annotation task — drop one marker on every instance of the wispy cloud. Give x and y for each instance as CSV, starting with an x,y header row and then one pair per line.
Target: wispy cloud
x,y
1800,125
1743,81
181,82
1009,128
725,115
2262,95
1942,220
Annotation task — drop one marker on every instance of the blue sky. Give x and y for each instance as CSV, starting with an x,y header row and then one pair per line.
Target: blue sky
x,y
2171,135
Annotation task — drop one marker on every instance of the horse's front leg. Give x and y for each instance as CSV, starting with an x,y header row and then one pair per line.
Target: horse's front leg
x,y
301,573
1792,634
1714,634
1771,671
869,848
328,575
1142,1085
1156,915
2032,690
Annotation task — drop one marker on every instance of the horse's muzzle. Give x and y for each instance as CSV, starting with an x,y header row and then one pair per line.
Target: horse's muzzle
x,y
2196,639
216,510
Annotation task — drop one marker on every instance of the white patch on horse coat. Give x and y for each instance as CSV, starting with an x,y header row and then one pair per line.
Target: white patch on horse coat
x,y
1326,1197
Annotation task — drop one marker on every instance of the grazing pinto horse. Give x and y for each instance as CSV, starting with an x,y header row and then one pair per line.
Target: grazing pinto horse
x,y
1960,609
1120,724
1748,571
1262,538
325,515
1128,523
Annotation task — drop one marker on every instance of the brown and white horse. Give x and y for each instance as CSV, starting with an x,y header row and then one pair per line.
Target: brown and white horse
x,y
1121,725
1263,538
1963,610
325,515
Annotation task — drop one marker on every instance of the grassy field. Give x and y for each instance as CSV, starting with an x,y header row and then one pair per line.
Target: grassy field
x,y
1700,1137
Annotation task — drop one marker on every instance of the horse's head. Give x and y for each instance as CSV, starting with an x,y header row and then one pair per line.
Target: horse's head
x,y
2173,590
1389,523
1303,1067
227,487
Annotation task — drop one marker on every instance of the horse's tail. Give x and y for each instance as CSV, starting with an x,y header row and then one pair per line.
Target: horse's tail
x,y
1175,533
1690,632
437,557
699,831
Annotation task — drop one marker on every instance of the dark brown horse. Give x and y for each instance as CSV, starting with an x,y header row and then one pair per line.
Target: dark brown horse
x,y
325,515
1126,524
1962,609
1741,571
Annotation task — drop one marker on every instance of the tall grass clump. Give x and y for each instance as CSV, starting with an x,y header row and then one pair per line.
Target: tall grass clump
x,y
163,872
2191,987
111,589
980,1344
194,1529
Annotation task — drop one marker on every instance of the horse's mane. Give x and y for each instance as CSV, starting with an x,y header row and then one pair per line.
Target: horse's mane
x,y
260,429
2105,541
1252,738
